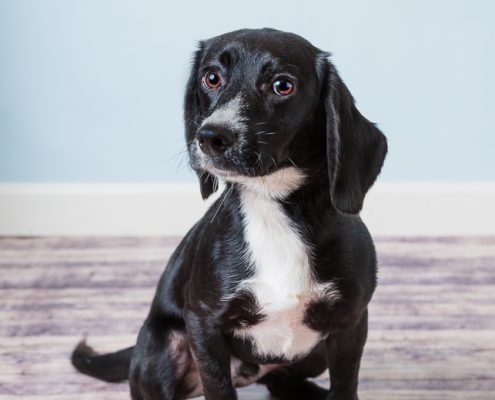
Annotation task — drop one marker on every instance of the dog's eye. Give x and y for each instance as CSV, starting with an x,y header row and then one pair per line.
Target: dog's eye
x,y
283,87
212,80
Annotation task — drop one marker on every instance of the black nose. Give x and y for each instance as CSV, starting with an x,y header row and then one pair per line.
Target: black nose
x,y
214,142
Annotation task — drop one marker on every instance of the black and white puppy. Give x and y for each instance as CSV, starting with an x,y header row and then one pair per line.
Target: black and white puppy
x,y
272,284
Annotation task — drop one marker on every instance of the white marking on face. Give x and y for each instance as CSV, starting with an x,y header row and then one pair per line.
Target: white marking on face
x,y
283,283
228,116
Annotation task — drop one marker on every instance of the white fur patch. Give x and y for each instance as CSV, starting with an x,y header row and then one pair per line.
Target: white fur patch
x,y
228,115
193,380
277,185
283,283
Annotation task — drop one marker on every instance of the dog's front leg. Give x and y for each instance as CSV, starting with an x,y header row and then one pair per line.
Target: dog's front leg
x,y
212,356
344,351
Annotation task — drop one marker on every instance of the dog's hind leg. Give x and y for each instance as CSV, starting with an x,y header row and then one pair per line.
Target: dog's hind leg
x,y
159,364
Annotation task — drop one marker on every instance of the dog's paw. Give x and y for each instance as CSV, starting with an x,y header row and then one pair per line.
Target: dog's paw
x,y
334,395
296,390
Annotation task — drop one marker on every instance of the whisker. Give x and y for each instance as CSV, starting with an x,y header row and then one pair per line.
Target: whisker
x,y
265,133
195,123
227,193
291,161
180,164
179,160
178,154
259,158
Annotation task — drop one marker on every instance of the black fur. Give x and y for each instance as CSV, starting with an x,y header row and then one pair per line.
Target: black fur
x,y
112,367
189,331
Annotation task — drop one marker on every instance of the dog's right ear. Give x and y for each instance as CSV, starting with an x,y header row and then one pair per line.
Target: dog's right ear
x,y
192,119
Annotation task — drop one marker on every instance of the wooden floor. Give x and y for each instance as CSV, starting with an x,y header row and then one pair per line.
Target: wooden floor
x,y
432,320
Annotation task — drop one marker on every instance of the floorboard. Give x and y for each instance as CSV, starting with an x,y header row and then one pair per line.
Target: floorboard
x,y
432,320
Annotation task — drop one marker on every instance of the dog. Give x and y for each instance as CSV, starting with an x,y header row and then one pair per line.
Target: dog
x,y
272,285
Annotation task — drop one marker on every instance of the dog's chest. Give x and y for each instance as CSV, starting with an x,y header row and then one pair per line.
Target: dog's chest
x,y
282,285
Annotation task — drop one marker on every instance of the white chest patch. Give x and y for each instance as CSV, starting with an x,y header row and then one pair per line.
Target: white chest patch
x,y
283,283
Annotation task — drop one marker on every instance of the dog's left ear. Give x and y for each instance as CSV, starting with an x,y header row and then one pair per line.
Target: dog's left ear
x,y
192,115
356,148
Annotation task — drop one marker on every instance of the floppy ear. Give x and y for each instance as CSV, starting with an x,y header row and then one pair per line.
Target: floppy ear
x,y
192,115
356,148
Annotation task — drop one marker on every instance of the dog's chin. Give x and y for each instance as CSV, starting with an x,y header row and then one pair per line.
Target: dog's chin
x,y
235,174
276,183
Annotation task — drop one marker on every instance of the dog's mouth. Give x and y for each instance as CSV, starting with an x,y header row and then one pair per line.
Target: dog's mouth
x,y
235,164
225,171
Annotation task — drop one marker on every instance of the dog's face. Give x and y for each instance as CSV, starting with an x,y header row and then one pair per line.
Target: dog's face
x,y
256,92
261,100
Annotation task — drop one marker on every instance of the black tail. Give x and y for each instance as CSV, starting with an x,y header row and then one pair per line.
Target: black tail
x,y
112,367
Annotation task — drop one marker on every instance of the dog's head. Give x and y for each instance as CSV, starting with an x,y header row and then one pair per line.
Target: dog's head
x,y
258,101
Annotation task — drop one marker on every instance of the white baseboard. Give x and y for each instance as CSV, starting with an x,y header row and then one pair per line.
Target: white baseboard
x,y
408,209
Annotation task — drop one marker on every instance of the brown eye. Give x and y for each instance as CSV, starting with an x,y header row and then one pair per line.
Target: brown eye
x,y
283,87
212,80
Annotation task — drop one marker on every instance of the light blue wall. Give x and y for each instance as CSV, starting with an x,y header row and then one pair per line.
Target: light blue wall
x,y
92,90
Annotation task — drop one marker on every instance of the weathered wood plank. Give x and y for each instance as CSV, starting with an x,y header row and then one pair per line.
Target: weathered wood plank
x,y
432,320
